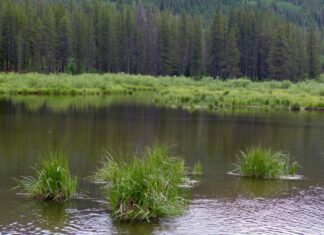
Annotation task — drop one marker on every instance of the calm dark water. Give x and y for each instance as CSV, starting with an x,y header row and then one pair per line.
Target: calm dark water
x,y
222,204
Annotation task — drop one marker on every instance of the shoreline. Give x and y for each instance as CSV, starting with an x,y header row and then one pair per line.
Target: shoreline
x,y
205,94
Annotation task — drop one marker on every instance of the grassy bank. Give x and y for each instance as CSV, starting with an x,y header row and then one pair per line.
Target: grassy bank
x,y
173,91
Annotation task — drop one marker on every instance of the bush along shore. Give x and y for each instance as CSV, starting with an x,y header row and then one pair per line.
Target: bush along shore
x,y
52,180
182,92
262,163
148,187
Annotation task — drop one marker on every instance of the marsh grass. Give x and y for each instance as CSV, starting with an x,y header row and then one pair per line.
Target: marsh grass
x,y
182,92
147,187
264,163
197,169
52,180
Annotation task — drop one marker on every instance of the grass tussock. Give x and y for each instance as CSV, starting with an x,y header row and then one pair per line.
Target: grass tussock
x,y
197,169
147,187
52,180
264,163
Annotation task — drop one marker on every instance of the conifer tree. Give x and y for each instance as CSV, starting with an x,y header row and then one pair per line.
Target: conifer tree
x,y
313,52
166,44
184,38
279,57
231,61
197,49
49,40
64,42
101,36
217,42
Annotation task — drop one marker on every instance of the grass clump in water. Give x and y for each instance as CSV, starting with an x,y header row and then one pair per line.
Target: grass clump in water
x,y
197,169
147,187
264,163
53,180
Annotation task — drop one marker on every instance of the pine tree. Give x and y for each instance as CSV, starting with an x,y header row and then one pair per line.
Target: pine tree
x,y
231,61
197,49
166,44
105,36
279,57
64,41
140,47
216,48
313,52
20,52
49,40
37,52
101,36
184,39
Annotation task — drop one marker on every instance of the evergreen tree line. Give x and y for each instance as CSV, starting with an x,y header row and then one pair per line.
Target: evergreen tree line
x,y
301,12
95,36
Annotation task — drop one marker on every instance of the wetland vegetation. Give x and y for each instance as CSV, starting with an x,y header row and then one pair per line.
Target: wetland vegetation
x,y
147,187
257,162
183,92
88,75
52,180
197,169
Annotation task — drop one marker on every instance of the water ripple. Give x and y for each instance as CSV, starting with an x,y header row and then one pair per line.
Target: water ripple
x,y
301,213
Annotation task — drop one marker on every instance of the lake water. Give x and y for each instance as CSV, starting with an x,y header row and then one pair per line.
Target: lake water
x,y
85,127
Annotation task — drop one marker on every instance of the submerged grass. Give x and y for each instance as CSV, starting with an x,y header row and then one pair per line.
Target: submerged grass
x,y
147,187
174,91
264,163
52,181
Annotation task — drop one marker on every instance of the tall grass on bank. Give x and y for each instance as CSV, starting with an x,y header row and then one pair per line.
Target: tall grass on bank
x,y
52,180
264,163
206,93
147,187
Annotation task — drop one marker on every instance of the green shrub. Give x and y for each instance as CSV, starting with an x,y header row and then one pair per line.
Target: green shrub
x,y
147,187
71,66
226,93
264,163
211,106
52,181
185,99
321,93
295,107
240,82
286,84
285,102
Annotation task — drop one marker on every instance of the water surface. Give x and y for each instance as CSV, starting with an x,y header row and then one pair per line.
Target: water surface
x,y
222,204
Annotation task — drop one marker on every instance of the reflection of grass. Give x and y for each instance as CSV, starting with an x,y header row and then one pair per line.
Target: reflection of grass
x,y
147,187
171,91
52,181
44,216
264,188
63,103
263,163
54,213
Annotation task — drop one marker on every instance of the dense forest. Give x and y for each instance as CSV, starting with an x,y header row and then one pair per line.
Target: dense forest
x,y
100,36
301,12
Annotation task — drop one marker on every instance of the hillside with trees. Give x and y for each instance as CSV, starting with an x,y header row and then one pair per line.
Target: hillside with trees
x,y
301,12
100,36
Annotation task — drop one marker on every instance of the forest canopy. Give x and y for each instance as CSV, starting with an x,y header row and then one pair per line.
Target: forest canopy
x,y
301,12
100,36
